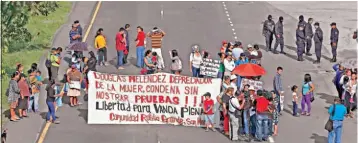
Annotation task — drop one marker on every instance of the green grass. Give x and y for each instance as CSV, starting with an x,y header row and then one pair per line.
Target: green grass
x,y
43,29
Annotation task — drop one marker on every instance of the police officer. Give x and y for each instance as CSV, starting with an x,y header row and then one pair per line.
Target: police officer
x,y
300,42
318,40
279,35
334,41
309,35
301,21
267,31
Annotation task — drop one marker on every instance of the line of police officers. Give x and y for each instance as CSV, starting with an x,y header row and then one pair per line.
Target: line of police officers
x,y
304,35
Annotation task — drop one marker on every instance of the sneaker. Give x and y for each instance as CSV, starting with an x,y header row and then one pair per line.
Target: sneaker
x,y
214,130
206,130
270,139
56,122
120,68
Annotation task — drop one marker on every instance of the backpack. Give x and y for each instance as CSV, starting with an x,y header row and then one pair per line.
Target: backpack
x,y
177,65
48,61
237,112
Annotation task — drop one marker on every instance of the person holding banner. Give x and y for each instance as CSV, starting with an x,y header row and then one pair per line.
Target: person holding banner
x,y
74,79
229,64
209,112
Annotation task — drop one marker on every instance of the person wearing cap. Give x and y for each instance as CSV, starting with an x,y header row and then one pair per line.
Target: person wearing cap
x,y
74,79
318,40
279,36
334,41
55,63
300,42
242,60
79,28
195,60
236,52
229,64
208,107
223,47
156,37
233,84
267,31
309,34
234,107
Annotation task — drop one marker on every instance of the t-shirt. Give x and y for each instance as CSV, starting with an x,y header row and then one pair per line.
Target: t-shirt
x,y
73,33
196,60
24,88
262,104
156,39
306,87
54,59
233,104
236,52
50,94
140,38
225,99
294,96
207,104
120,46
222,67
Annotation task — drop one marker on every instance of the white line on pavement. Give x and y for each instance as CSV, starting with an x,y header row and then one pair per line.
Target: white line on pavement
x,y
229,19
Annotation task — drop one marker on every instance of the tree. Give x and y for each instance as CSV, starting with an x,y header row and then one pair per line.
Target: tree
x,y
15,15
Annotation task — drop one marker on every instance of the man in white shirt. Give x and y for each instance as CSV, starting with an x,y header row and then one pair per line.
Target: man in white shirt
x,y
233,79
236,52
234,117
229,64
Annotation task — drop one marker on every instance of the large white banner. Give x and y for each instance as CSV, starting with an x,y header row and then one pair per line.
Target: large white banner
x,y
148,99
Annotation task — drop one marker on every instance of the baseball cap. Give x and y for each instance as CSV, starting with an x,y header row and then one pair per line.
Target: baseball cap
x,y
251,88
224,42
232,77
333,23
53,49
249,46
238,43
242,54
316,24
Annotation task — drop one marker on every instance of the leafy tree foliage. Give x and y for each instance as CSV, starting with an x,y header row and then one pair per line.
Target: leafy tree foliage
x,y
14,17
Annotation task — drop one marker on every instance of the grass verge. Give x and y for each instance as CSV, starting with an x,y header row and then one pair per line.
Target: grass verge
x,y
43,29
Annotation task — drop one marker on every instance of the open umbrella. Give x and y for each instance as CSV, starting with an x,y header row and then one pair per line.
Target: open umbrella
x,y
78,46
349,63
249,70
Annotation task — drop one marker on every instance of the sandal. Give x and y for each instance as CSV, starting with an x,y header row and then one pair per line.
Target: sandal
x,y
303,113
308,114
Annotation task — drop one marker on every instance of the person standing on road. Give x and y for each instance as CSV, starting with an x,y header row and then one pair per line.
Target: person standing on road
x,y
337,111
268,31
195,60
300,42
50,101
74,79
120,47
307,93
24,96
262,129
318,40
339,69
279,35
140,47
334,41
309,35
55,63
208,111
126,35
278,88
157,36
234,108
101,46
75,35
236,52
79,29
176,65
225,101
13,95
35,85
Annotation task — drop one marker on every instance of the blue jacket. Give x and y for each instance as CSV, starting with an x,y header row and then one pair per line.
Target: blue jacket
x,y
339,112
338,76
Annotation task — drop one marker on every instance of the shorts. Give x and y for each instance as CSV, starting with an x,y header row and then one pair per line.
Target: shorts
x,y
209,119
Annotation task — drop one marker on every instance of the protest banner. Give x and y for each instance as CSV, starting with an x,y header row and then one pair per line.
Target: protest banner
x,y
160,98
256,84
210,67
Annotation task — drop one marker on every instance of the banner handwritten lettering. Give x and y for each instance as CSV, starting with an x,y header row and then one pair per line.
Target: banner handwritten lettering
x,y
210,67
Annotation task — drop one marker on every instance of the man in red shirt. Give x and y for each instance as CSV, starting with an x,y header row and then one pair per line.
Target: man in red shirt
x,y
120,47
140,47
262,118
208,111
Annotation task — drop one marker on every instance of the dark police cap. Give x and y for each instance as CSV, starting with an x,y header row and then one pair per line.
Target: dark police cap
x,y
301,25
53,49
333,23
316,24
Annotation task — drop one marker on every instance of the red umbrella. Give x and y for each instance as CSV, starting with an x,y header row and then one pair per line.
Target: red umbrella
x,y
249,70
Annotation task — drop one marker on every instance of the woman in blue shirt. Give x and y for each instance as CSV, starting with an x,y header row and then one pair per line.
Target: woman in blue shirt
x,y
307,92
242,60
337,111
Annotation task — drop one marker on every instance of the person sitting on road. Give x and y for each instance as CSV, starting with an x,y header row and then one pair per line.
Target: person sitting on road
x,y
148,63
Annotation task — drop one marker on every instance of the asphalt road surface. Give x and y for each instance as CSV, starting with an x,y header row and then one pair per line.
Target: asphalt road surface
x,y
206,24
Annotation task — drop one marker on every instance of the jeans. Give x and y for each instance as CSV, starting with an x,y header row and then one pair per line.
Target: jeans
x,y
253,125
294,108
238,82
102,55
120,56
125,57
51,111
34,101
140,56
246,127
262,129
220,75
196,71
335,135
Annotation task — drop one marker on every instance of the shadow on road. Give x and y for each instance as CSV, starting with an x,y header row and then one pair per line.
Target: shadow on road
x,y
319,139
329,98
133,61
290,111
83,114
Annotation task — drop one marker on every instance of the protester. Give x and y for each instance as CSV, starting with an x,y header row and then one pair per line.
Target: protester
x,y
245,113
156,36
223,47
273,102
149,66
236,52
120,47
13,95
35,85
208,107
222,66
51,117
20,68
79,29
336,80
195,60
140,47
349,87
225,84
55,63
38,76
225,101
277,86
126,36
262,119
74,80
24,96
101,47
234,113
74,34
307,94
337,111
176,64
229,64
295,96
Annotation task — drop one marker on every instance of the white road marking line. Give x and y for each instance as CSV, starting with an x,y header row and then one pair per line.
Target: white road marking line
x,y
231,24
233,29
229,19
225,8
235,38
162,12
223,2
227,15
234,33
226,12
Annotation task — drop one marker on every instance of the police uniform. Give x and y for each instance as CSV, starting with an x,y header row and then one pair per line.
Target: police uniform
x,y
279,34
267,31
300,42
318,40
334,40
308,35
303,23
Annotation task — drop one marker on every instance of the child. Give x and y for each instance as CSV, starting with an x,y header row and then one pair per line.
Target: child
x,y
38,75
155,60
208,111
294,100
